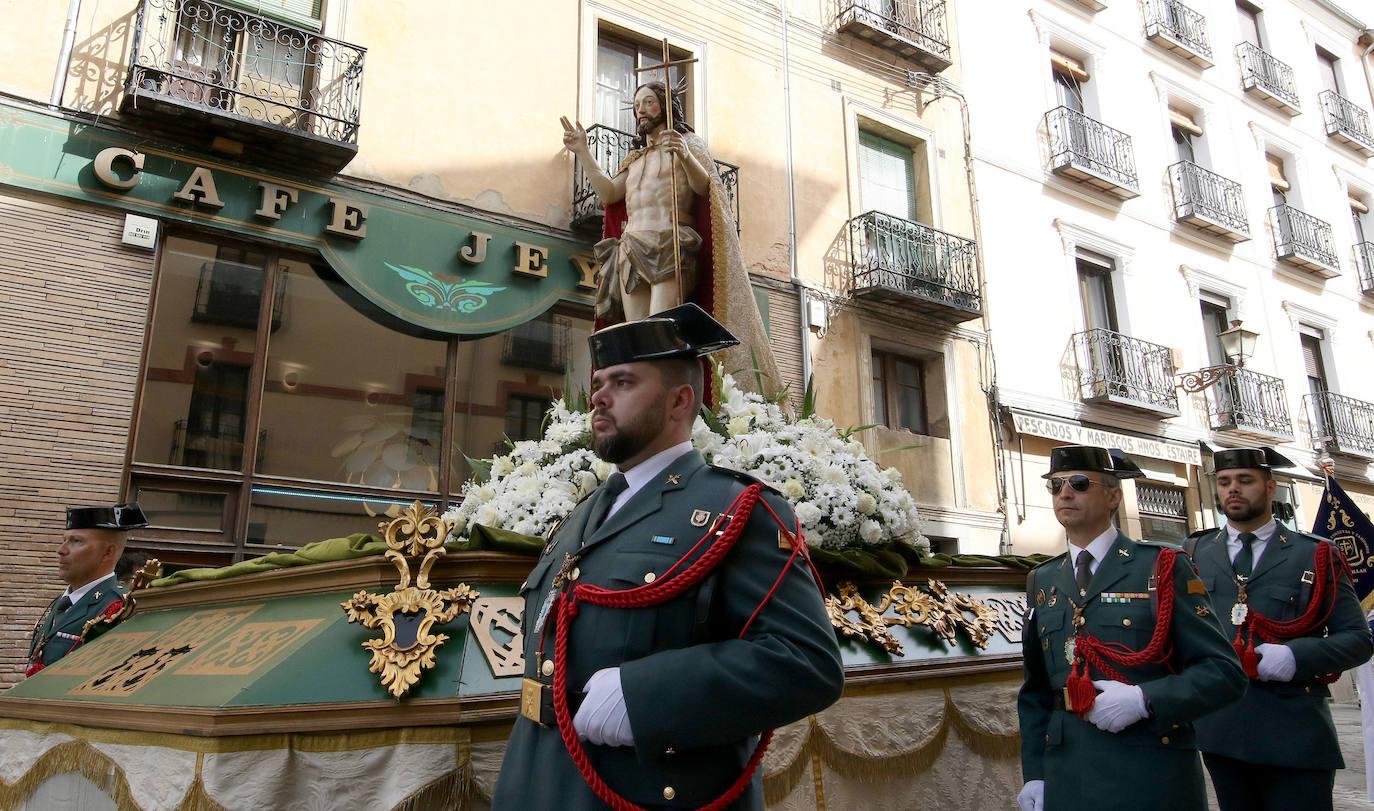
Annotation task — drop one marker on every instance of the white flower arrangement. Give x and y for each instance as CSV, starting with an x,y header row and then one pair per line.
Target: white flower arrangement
x,y
841,497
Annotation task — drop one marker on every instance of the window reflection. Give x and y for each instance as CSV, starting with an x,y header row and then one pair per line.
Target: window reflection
x,y
200,355
349,398
294,518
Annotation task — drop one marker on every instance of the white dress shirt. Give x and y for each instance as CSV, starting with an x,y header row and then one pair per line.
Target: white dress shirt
x,y
1099,547
1262,536
75,596
645,472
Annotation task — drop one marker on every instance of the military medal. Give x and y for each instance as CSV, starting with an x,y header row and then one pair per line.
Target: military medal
x,y
700,517
1240,610
1070,648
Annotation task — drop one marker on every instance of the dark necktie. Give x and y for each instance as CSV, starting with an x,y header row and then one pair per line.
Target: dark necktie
x,y
63,603
1085,572
614,486
1245,558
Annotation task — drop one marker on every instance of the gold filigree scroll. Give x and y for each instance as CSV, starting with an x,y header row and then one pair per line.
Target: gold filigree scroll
x,y
408,614
943,611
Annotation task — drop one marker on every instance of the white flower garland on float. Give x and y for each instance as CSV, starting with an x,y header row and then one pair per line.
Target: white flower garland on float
x,y
842,498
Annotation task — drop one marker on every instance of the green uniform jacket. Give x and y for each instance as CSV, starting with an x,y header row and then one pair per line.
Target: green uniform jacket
x,y
58,633
1282,723
1152,764
697,695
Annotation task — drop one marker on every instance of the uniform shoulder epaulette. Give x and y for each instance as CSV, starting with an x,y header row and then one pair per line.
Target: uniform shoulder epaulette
x,y
1201,532
1042,564
1160,544
746,478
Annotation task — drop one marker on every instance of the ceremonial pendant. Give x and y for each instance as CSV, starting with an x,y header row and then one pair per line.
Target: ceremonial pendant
x,y
1070,648
1239,612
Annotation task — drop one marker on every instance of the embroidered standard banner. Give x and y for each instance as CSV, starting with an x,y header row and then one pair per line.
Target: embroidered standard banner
x,y
1343,522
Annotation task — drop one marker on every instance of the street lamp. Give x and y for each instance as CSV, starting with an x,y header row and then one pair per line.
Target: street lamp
x,y
1238,343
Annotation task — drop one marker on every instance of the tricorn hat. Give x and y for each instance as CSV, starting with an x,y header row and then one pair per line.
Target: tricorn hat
x,y
685,331
1262,458
1092,458
119,516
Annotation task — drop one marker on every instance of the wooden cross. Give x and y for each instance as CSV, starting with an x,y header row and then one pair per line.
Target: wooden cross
x,y
666,66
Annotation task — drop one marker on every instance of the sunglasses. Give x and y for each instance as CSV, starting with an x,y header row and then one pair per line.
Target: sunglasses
x,y
1077,481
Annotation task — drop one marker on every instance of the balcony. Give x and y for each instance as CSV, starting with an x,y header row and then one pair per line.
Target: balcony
x,y
1250,404
216,70
1347,122
1340,424
1209,202
1268,79
924,270
1120,370
1092,153
610,147
1304,241
913,29
1177,28
1364,263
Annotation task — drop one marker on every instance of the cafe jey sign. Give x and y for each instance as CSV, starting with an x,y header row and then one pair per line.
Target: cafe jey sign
x,y
441,270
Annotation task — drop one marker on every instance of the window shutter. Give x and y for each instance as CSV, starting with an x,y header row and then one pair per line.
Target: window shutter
x,y
1068,66
1312,356
1277,179
302,13
1184,121
886,177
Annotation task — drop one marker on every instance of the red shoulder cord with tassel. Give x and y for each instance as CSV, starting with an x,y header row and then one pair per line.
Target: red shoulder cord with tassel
x,y
1318,611
661,590
1091,651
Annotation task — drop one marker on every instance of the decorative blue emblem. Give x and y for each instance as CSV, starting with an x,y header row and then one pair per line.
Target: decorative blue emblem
x,y
458,297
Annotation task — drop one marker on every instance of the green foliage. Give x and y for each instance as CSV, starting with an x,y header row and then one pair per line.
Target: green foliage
x,y
481,468
809,399
714,422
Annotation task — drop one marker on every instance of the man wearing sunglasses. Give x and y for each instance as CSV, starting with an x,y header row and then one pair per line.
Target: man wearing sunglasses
x,y
1122,653
1293,616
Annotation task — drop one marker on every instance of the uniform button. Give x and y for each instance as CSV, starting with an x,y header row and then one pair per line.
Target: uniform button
x,y
1047,739
547,668
650,577
670,751
1126,622
669,793
575,573
1308,688
1164,740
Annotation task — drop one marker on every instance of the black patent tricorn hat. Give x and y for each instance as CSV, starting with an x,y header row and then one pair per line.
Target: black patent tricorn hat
x,y
1262,458
1092,458
119,516
685,331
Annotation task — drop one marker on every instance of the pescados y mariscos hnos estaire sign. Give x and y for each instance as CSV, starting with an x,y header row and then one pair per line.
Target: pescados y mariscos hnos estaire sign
x,y
440,270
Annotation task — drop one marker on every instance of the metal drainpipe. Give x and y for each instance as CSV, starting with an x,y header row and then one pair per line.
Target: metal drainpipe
x,y
804,319
64,57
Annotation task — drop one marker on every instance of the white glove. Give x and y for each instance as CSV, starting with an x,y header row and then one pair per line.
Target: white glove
x,y
1032,796
1117,706
603,718
1276,662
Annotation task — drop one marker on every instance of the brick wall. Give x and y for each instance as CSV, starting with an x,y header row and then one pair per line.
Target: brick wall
x,y
73,304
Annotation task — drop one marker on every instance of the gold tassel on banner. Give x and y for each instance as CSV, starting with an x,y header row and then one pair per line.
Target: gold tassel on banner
x,y
71,757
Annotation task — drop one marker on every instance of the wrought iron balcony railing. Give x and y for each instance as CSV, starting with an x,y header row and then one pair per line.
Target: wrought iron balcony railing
x,y
1091,152
1347,122
913,28
924,268
1304,241
539,344
1268,78
1341,424
1250,403
1119,369
610,147
1179,29
1209,201
1364,263
253,69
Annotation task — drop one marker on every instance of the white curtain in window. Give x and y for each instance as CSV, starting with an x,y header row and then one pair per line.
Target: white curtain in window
x,y
615,86
886,177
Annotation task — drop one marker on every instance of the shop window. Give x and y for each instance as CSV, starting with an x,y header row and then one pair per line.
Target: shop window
x,y
1163,512
538,344
254,434
899,392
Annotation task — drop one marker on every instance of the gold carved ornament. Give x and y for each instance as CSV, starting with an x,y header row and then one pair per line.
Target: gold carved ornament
x,y
151,570
408,614
943,611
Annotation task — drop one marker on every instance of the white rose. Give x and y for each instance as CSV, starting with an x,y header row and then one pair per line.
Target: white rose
x,y
793,489
867,504
738,425
486,516
808,514
871,531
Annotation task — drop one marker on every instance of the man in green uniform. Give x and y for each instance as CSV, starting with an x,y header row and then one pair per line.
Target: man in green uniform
x,y
91,546
1122,653
670,698
1295,618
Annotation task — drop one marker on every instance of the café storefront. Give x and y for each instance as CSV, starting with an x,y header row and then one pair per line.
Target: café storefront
x,y
311,354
